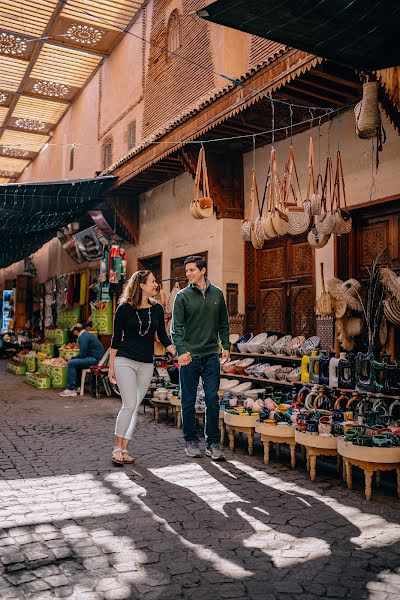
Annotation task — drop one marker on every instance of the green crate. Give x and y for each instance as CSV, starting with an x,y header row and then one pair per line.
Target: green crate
x,y
67,317
58,376
45,347
58,337
43,369
42,383
29,362
102,319
16,369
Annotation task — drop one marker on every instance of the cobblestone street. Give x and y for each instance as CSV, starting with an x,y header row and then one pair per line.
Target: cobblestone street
x,y
74,526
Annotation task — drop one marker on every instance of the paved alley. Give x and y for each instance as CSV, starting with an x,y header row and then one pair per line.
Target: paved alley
x,y
74,526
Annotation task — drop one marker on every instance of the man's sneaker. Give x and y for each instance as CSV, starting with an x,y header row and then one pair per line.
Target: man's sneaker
x,y
68,392
192,449
214,451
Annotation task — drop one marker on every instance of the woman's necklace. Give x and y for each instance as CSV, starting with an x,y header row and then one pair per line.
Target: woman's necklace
x,y
140,323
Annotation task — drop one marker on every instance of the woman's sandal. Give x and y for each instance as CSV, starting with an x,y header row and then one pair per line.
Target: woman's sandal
x,y
128,459
115,458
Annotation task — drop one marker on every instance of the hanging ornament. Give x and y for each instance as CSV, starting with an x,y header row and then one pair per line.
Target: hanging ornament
x,y
11,44
51,88
84,34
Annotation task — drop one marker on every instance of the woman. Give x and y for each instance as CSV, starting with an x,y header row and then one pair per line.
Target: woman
x,y
137,319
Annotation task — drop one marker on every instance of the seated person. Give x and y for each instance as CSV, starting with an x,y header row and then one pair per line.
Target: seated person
x,y
90,352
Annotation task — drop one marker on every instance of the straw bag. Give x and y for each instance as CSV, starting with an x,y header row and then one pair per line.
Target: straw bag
x,y
313,203
324,302
368,117
248,223
256,230
299,219
391,309
343,218
316,239
269,229
201,207
280,220
171,299
325,223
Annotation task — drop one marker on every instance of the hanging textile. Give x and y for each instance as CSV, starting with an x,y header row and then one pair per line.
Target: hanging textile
x,y
70,290
83,286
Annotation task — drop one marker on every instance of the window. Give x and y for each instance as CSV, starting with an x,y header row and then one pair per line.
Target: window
x,y
131,135
107,154
71,158
173,33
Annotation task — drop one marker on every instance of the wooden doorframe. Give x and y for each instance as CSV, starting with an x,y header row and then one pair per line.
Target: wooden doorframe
x,y
253,278
345,248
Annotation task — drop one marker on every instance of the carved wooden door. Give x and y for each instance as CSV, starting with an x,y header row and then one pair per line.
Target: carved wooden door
x,y
280,287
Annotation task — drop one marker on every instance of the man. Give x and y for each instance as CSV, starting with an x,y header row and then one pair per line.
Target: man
x,y
90,352
199,321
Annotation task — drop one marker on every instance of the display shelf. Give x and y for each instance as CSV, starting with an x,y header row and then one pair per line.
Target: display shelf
x,y
260,379
275,356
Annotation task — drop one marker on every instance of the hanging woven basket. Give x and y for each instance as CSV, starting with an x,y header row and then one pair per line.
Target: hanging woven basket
x,y
298,216
367,114
201,207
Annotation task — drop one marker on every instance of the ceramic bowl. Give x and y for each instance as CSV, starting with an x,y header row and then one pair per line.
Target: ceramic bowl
x,y
228,384
242,387
279,345
241,343
270,371
243,364
294,375
291,347
256,344
259,370
254,393
269,342
283,372
311,344
254,348
229,367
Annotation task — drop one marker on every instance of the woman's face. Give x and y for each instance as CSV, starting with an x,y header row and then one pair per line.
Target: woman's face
x,y
150,287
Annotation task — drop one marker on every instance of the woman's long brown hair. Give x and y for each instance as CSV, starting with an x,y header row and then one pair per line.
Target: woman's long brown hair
x,y
132,291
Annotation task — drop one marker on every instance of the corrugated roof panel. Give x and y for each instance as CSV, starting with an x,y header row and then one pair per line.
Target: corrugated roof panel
x,y
32,142
64,65
36,108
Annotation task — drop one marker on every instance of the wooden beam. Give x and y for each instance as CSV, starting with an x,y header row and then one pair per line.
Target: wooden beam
x,y
336,79
328,99
332,90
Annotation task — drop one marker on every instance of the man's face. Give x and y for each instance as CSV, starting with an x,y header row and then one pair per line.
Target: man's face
x,y
194,274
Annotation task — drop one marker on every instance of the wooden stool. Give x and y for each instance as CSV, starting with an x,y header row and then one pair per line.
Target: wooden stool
x,y
277,435
160,404
315,446
176,408
370,460
242,424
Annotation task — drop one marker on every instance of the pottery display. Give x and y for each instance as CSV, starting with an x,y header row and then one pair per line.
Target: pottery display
x,y
242,365
310,344
255,345
294,375
314,366
242,342
268,343
293,345
280,344
229,367
228,384
241,388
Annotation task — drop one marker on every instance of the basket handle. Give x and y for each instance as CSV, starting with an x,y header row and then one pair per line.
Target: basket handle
x,y
289,186
311,172
328,184
339,180
321,266
205,187
196,187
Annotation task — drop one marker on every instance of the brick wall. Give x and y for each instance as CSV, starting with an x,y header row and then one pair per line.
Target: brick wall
x,y
174,84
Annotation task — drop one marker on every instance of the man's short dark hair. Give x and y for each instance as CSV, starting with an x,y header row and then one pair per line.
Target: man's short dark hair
x,y
199,260
77,327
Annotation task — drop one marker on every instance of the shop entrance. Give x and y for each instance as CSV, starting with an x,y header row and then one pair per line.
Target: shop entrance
x,y
280,287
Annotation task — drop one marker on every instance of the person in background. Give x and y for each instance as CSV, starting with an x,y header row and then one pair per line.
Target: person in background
x,y
91,351
137,319
199,322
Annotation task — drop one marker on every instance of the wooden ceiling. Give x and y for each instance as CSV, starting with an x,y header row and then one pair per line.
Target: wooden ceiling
x,y
49,49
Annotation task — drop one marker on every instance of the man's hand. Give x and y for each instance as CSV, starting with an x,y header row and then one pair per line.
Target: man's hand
x,y
225,356
184,359
111,375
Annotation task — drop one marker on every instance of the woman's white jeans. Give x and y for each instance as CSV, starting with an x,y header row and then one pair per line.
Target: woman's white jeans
x,y
133,380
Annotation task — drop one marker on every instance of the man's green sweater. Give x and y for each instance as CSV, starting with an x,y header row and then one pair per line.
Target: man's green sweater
x,y
200,320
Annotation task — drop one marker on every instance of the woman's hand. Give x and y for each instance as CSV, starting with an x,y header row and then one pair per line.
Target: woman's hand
x,y
111,375
171,349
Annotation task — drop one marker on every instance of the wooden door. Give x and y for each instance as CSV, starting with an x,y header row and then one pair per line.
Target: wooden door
x,y
280,287
376,231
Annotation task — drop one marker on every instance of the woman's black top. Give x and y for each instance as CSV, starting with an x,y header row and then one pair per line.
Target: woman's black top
x,y
126,338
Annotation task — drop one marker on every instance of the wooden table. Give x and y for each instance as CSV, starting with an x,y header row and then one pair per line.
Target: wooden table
x,y
157,403
242,424
315,446
370,460
177,410
277,434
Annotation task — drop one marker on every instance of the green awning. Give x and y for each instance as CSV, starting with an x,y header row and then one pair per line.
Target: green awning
x,y
31,213
357,33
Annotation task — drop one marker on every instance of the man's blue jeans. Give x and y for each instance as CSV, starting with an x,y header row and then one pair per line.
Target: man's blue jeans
x,y
75,365
208,368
